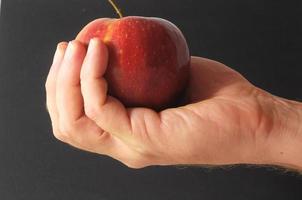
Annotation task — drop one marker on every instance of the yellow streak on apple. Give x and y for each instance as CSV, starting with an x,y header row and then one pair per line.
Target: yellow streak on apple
x,y
108,35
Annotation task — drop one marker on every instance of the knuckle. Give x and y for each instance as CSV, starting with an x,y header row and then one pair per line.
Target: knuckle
x,y
92,111
77,44
47,85
80,139
103,136
138,162
59,136
135,164
67,128
142,155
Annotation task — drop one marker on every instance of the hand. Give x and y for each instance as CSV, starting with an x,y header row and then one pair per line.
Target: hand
x,y
227,120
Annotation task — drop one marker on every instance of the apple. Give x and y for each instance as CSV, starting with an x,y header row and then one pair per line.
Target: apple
x,y
149,59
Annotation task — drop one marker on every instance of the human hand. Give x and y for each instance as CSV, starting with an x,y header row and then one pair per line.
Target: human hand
x,y
227,120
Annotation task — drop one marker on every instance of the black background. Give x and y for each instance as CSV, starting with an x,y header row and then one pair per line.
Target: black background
x,y
260,39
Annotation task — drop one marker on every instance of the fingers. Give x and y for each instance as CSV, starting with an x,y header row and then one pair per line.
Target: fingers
x,y
75,84
106,111
84,133
51,83
69,99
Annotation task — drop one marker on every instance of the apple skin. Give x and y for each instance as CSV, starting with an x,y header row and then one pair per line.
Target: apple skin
x,y
149,59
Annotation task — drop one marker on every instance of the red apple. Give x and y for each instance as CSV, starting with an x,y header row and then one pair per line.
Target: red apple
x,y
149,59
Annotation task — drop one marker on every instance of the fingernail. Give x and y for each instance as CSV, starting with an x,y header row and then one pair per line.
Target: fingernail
x,y
61,45
93,44
70,49
71,45
94,40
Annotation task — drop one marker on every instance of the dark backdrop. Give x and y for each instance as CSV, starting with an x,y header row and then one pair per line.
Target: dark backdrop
x,y
260,39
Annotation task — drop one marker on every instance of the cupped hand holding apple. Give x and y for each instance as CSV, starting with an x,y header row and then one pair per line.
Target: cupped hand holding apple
x,y
93,96
227,119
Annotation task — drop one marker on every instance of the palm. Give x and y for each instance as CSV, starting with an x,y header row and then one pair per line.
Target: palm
x,y
223,112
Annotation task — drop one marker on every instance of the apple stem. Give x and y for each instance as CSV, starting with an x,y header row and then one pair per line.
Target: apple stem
x,y
117,10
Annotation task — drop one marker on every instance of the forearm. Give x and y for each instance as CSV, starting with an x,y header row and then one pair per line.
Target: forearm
x,y
286,143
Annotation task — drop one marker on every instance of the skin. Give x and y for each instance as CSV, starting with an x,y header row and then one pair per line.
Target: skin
x,y
227,120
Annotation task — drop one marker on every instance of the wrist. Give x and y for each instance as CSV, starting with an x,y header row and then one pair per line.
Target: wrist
x,y
285,145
